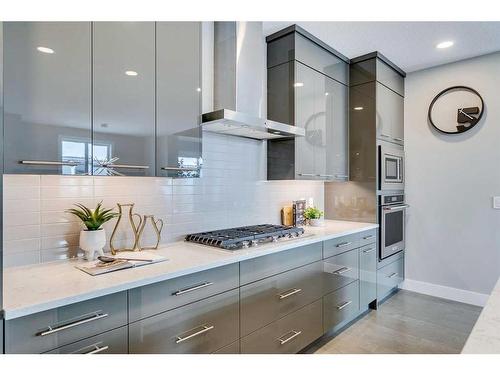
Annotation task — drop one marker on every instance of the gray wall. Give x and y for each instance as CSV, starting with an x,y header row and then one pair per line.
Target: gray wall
x,y
453,233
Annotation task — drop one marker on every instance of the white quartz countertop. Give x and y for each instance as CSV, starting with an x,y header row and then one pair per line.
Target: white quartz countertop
x,y
31,289
485,336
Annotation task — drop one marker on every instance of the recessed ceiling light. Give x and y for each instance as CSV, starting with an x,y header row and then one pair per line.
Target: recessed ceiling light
x,y
198,89
445,44
326,93
358,108
45,49
298,84
131,73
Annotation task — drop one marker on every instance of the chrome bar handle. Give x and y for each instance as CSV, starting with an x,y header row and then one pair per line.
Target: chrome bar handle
x,y
289,294
192,289
341,176
398,139
294,335
307,174
385,135
343,305
98,349
394,208
50,330
125,166
392,275
369,237
181,168
343,244
204,329
47,162
342,270
325,175
368,251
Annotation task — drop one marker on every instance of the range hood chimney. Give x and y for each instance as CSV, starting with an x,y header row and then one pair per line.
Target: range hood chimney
x,y
239,84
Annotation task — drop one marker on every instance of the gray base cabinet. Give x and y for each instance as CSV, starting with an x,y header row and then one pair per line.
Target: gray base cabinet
x,y
47,330
112,342
200,327
287,335
277,303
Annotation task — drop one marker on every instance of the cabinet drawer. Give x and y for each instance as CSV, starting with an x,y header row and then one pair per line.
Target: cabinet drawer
x,y
200,327
367,237
389,277
340,270
167,295
50,329
340,245
267,300
287,335
259,268
112,342
340,306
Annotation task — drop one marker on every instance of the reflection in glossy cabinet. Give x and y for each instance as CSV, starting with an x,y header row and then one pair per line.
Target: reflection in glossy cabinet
x,y
200,327
178,100
389,114
123,100
47,97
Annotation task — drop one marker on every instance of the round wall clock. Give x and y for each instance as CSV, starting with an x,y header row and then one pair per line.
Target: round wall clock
x,y
456,109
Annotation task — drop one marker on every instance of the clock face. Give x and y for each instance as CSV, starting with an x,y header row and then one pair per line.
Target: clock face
x,y
456,110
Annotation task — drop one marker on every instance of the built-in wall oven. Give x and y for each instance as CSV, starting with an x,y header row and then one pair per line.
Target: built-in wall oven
x,y
392,211
391,167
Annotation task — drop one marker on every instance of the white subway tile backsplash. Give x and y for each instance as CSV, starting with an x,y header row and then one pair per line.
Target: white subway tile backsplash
x,y
232,191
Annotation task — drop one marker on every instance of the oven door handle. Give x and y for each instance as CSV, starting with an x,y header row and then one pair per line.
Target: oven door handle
x,y
394,208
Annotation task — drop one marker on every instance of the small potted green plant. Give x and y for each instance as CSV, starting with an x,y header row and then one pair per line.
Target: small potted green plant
x,y
314,216
93,238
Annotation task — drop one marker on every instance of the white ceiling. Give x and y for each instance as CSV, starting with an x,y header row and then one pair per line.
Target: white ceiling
x,y
410,45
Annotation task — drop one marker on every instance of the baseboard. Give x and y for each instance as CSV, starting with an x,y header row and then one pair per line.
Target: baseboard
x,y
446,292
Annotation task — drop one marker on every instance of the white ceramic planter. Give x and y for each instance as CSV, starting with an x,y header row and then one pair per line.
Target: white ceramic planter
x,y
92,242
316,222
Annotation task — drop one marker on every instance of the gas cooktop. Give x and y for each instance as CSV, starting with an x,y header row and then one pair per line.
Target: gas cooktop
x,y
244,237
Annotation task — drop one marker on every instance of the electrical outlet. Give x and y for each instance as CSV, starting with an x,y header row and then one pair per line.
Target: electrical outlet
x,y
496,203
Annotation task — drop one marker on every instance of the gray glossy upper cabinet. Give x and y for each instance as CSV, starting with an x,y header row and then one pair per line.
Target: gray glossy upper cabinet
x,y
178,98
124,98
388,95
307,87
47,97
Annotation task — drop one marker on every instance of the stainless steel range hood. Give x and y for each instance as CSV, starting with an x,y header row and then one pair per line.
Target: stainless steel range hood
x,y
239,85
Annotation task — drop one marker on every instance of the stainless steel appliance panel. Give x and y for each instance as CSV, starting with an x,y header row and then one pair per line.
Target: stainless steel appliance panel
x,y
392,224
391,167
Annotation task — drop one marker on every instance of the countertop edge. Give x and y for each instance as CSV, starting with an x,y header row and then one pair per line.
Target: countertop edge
x,y
14,313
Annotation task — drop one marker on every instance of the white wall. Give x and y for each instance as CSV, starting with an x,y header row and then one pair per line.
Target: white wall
x,y
453,234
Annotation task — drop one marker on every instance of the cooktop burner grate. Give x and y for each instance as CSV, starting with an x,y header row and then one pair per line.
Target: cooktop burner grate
x,y
243,237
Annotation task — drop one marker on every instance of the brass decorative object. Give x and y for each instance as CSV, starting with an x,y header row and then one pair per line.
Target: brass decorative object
x,y
157,229
134,227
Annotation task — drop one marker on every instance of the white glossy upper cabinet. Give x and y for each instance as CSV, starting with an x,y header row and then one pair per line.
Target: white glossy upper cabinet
x,y
178,98
124,98
47,97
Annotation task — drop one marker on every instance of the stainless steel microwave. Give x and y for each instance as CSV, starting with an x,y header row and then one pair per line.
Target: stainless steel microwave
x,y
392,162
